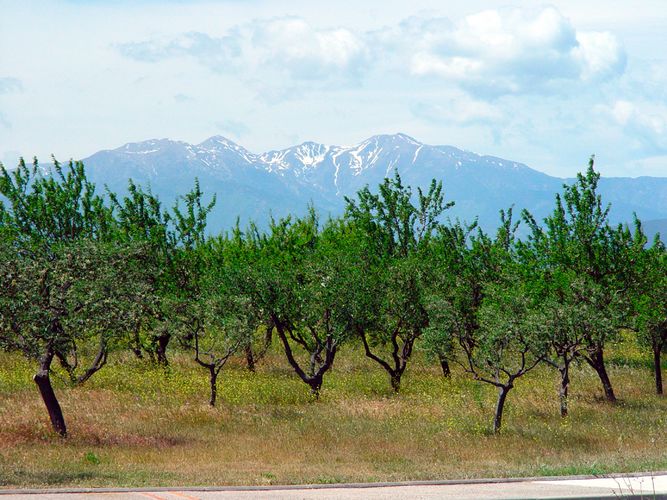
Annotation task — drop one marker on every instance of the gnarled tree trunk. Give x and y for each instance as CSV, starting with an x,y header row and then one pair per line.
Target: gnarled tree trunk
x,y
564,386
657,367
43,380
316,376
161,349
500,407
444,364
399,356
596,360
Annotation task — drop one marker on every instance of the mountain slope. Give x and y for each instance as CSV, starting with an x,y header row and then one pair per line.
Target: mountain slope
x,y
653,227
253,186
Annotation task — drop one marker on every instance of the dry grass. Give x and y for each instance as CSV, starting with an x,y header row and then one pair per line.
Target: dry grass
x,y
135,425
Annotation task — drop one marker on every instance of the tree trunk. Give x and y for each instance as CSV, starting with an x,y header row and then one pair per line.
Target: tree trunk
x,y
250,359
214,385
314,381
137,353
396,382
657,367
396,370
161,350
268,336
564,386
43,380
97,364
500,406
315,384
596,360
444,364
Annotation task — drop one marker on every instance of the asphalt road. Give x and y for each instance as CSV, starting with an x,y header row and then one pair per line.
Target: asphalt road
x,y
645,487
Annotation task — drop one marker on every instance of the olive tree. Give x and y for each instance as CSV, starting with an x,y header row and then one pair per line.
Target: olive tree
x,y
216,320
509,343
68,289
227,329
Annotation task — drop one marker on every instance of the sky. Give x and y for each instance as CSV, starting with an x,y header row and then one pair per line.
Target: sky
x,y
544,84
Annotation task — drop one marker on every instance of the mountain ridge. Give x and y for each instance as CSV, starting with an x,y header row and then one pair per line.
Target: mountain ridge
x,y
254,186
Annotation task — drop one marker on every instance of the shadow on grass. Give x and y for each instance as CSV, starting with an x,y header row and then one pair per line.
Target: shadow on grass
x,y
129,440
91,477
21,477
87,436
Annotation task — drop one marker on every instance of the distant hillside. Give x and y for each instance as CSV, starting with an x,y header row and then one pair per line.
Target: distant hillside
x,y
253,186
651,227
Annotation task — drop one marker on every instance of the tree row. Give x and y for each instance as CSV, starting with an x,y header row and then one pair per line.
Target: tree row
x,y
85,273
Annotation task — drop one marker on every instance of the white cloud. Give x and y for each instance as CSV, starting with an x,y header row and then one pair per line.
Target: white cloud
x,y
494,52
460,110
217,53
488,54
287,46
294,46
599,55
644,122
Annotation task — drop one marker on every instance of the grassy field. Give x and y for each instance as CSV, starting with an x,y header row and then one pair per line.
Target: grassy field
x,y
133,425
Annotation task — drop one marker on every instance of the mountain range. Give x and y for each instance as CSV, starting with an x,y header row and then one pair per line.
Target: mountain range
x,y
254,186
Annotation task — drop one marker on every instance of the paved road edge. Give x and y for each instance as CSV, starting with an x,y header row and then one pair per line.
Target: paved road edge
x,y
320,486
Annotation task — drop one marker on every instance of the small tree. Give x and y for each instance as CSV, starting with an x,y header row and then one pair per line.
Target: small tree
x,y
649,301
320,319
482,305
66,286
577,239
77,300
227,330
509,343
216,321
294,276
396,235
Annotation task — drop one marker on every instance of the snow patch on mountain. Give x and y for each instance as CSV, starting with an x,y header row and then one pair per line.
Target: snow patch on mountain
x,y
254,185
